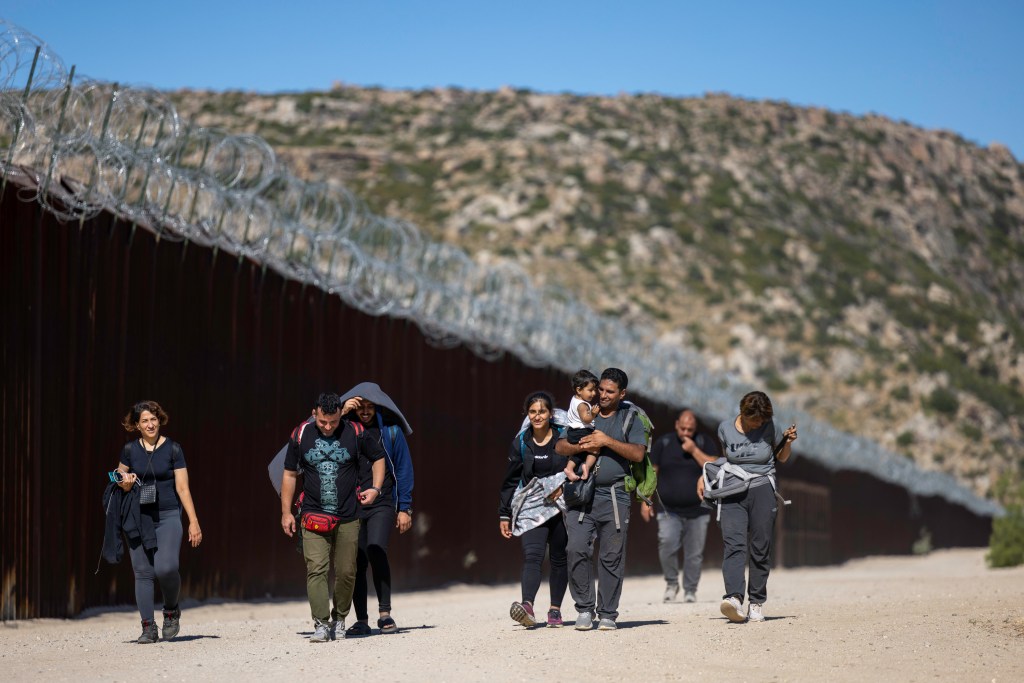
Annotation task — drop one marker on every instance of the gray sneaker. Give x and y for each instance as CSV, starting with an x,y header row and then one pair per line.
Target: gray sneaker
x,y
332,628
606,624
172,623
322,633
585,621
149,633
671,591
689,596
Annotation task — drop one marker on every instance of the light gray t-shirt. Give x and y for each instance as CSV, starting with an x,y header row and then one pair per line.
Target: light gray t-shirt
x,y
753,451
614,467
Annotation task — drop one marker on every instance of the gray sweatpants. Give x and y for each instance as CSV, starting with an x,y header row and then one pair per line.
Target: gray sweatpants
x,y
748,517
160,565
689,533
598,522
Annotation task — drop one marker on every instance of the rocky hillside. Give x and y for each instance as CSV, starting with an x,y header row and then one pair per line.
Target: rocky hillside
x,y
864,269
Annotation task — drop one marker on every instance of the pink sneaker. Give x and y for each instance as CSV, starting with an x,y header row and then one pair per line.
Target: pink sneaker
x,y
523,613
554,618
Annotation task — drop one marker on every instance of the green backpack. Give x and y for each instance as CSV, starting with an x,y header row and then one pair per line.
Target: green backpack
x,y
642,477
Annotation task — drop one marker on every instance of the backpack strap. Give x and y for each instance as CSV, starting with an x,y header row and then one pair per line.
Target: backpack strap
x,y
627,422
299,431
358,427
522,456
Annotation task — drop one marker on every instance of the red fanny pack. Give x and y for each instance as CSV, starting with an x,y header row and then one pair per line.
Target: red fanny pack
x,y
319,522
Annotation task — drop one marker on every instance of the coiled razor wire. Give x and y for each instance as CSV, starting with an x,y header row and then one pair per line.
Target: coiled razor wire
x,y
91,146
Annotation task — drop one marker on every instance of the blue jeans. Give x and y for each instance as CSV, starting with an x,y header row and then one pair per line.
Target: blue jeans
x,y
675,531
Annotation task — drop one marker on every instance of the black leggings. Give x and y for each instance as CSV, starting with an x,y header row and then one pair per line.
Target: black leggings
x,y
160,565
374,533
551,534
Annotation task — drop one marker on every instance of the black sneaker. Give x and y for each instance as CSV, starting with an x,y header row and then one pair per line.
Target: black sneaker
x,y
172,623
149,633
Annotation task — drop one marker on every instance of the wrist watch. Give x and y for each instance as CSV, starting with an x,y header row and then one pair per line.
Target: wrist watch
x,y
407,511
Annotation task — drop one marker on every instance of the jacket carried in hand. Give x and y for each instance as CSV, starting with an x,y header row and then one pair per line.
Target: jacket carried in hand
x,y
124,515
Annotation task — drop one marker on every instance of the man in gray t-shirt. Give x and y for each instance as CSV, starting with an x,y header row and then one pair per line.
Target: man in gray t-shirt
x,y
607,515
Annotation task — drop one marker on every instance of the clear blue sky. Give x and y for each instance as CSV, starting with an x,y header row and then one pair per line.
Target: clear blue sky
x,y
947,64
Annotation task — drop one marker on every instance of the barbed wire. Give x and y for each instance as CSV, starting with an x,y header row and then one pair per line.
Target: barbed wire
x,y
89,146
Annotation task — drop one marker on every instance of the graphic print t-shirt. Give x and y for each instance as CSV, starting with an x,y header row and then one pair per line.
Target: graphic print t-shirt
x,y
752,451
330,467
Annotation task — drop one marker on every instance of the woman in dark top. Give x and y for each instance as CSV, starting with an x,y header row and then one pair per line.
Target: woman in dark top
x,y
154,460
532,454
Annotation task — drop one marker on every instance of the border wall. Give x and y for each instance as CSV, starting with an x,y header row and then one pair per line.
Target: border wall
x,y
99,313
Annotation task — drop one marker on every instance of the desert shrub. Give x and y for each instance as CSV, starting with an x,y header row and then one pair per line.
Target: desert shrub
x,y
971,431
923,544
1006,545
773,380
905,439
944,401
901,393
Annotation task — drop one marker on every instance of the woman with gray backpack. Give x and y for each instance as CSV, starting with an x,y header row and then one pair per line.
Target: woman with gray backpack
x,y
752,443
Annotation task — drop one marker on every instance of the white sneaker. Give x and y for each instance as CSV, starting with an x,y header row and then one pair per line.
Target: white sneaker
x,y
322,634
732,609
754,612
689,596
671,591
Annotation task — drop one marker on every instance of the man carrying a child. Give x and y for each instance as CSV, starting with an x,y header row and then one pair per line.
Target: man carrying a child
x,y
607,515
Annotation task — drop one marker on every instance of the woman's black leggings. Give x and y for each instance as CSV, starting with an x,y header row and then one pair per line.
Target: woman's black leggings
x,y
158,565
550,536
374,533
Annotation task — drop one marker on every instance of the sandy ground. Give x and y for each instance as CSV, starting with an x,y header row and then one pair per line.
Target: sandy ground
x,y
940,617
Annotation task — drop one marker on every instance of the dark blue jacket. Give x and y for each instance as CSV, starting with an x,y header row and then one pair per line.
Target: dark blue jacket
x,y
124,515
399,463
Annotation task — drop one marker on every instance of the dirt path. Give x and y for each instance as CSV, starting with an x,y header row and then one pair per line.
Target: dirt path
x,y
941,617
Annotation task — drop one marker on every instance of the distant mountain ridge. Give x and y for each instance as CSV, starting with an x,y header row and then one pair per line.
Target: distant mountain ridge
x,y
863,269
